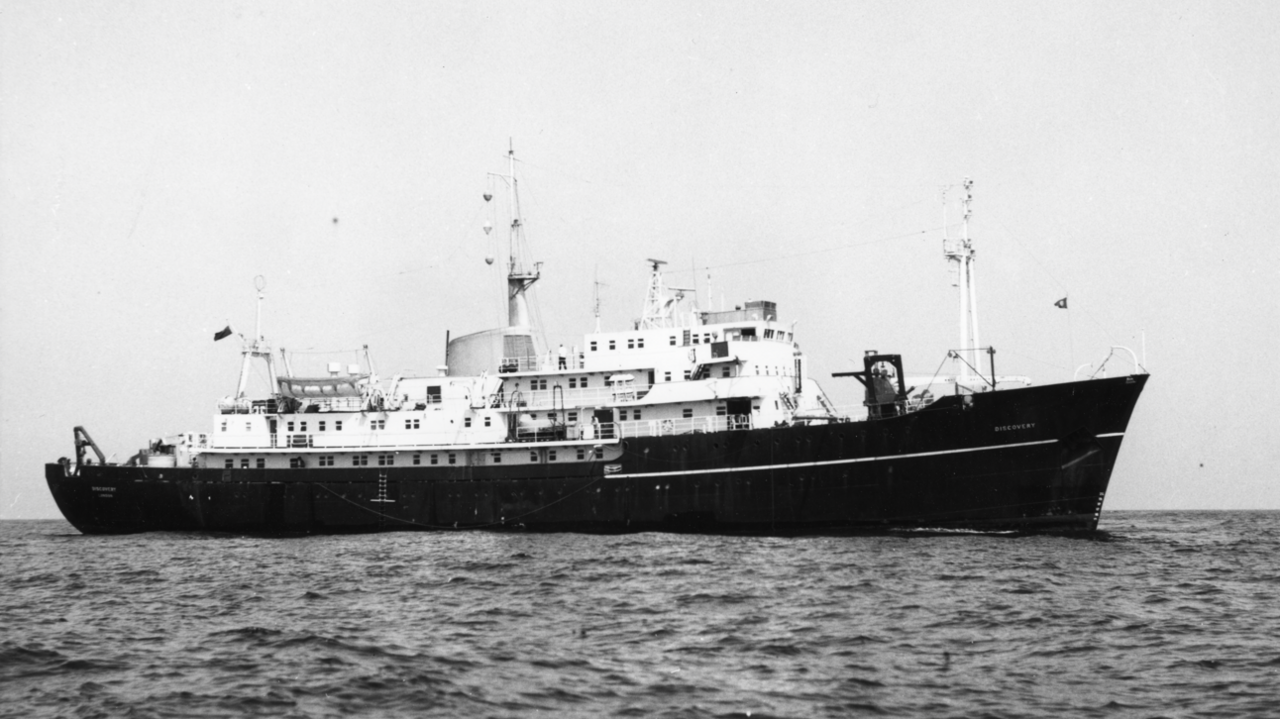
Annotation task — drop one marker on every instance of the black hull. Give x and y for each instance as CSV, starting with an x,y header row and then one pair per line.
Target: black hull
x,y
1036,459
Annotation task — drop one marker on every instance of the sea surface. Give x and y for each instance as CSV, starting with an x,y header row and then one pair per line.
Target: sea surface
x,y
1168,614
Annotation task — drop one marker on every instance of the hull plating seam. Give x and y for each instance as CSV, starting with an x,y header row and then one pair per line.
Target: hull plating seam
x,y
831,462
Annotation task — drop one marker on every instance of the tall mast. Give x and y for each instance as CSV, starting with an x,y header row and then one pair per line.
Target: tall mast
x,y
960,252
257,347
519,276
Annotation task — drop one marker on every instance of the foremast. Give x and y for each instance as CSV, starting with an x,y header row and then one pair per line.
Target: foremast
x,y
960,253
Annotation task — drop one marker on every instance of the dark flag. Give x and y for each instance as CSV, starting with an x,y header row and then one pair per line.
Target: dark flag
x,y
226,332
1061,304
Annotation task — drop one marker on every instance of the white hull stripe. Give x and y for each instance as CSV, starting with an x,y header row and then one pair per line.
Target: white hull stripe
x,y
832,462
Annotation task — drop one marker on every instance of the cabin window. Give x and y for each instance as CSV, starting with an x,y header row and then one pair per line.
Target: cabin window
x,y
244,463
435,458
296,463
622,415
302,427
433,394
326,460
359,460
582,453
666,376
599,452
685,337
379,424
551,455
533,457
453,458
640,343
417,459
768,334
724,371
321,425
466,421
288,426
337,425
696,339
613,345
573,416
497,458
573,383
386,460
688,374
248,426
412,424
224,425
487,420
687,413
636,415
593,345
631,343
229,464
673,340
260,463
582,383
722,411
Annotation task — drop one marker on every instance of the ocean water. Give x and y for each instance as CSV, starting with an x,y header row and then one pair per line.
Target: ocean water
x,y
1172,614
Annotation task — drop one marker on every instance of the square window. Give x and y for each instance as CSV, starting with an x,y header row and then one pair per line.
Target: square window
x,y
640,343
573,383
497,458
582,453
613,344
453,458
289,426
487,420
673,340
622,415
386,460
224,425
408,424
533,457
337,425
636,415
599,452
551,455
326,460
302,427
666,376
321,425
248,426
722,411
695,339
687,413
724,371
466,421
359,460
230,463
688,374
435,459
582,383
244,463
573,416
417,459
261,463
631,343
593,345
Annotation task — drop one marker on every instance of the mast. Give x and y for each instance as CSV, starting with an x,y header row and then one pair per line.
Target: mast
x,y
520,276
961,254
256,347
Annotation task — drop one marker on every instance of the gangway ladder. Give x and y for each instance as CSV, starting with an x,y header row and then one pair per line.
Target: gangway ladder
x,y
382,489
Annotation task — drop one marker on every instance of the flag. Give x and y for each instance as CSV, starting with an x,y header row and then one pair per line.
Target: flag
x,y
1061,304
225,332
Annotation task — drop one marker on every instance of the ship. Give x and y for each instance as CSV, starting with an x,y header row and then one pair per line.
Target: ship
x,y
690,419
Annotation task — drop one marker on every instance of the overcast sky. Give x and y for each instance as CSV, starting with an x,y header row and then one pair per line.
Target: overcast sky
x,y
155,157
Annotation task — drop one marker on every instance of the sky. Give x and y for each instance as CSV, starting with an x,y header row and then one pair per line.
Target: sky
x,y
156,157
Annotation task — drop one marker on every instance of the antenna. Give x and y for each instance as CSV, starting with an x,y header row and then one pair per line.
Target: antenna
x,y
597,284
960,254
